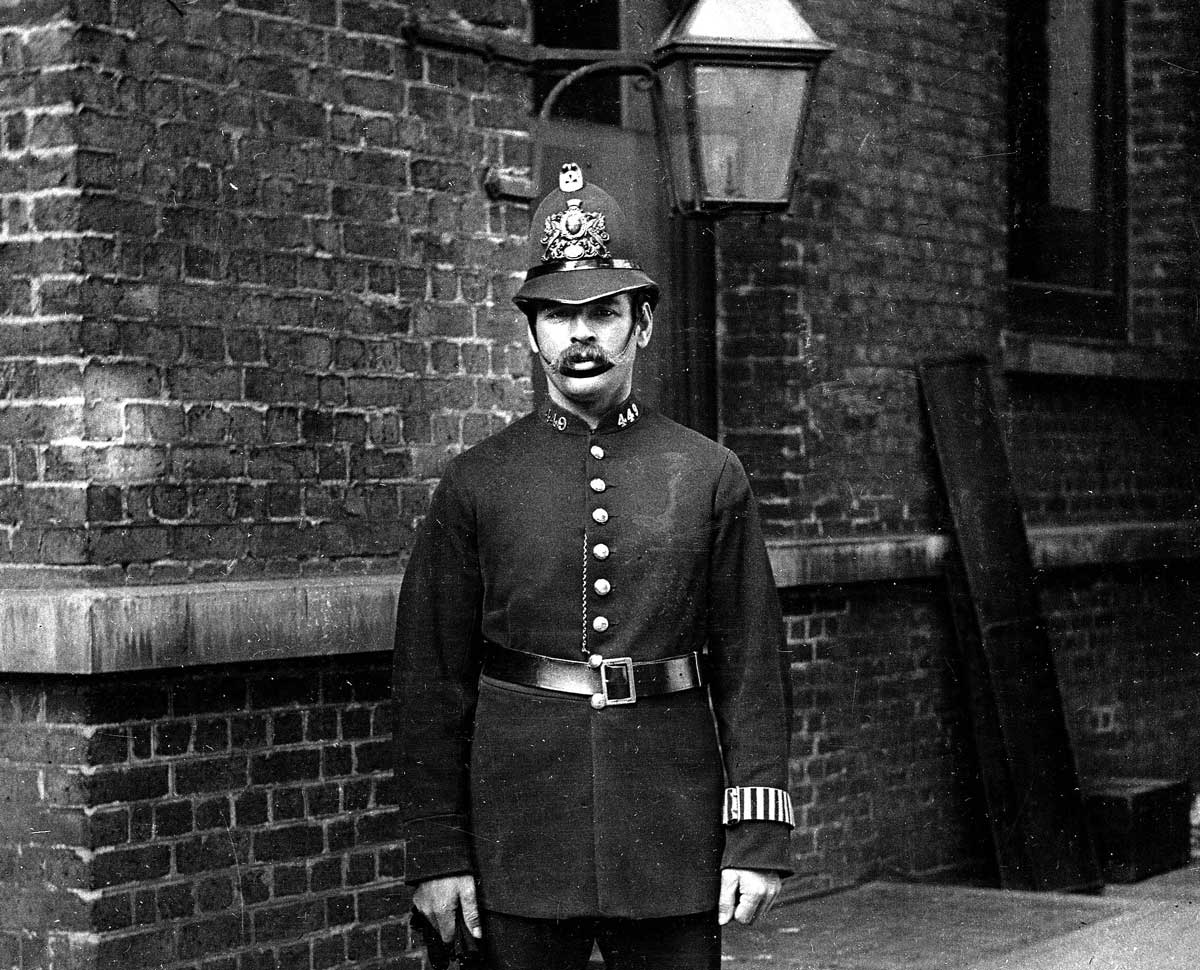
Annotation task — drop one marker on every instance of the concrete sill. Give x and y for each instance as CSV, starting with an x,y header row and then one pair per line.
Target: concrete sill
x,y
834,562
109,629
100,630
1030,354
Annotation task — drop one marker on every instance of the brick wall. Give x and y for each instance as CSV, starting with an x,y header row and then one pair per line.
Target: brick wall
x,y
883,775
1125,648
284,297
1164,184
894,253
234,818
41,245
1087,450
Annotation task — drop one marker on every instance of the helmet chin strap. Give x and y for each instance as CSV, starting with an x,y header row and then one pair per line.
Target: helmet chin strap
x,y
620,354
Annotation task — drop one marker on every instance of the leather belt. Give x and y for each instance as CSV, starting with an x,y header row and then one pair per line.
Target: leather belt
x,y
614,680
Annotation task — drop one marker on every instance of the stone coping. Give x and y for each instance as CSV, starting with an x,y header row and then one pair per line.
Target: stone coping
x,y
100,630
832,562
109,629
1051,356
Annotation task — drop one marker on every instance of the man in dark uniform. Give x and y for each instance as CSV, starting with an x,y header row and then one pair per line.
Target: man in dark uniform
x,y
589,589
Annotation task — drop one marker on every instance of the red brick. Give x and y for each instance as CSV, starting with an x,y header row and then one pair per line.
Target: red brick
x,y
288,842
210,774
211,851
146,948
49,546
227,931
122,866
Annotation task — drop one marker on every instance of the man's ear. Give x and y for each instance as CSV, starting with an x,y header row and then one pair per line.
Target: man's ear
x,y
645,325
531,334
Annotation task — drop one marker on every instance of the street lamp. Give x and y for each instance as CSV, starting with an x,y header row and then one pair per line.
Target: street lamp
x,y
730,84
736,79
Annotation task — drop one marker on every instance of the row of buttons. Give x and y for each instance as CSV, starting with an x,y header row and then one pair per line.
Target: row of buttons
x,y
601,552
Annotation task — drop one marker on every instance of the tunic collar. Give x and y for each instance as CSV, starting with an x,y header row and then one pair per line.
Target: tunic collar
x,y
623,416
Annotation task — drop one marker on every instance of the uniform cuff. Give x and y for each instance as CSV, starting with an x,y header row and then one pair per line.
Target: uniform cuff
x,y
757,804
758,845
436,846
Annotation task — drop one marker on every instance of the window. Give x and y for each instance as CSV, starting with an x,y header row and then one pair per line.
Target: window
x,y
1067,174
592,24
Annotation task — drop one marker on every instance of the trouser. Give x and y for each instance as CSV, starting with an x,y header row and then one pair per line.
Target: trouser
x,y
690,942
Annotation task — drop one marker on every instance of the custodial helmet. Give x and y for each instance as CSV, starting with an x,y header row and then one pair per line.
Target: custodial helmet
x,y
581,247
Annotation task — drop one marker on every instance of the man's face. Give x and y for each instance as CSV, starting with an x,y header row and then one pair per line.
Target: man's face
x,y
588,350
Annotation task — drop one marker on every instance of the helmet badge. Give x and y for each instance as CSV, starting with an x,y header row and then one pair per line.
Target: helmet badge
x,y
570,177
573,233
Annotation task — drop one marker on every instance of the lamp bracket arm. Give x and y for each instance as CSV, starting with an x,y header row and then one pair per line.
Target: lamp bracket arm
x,y
522,55
626,67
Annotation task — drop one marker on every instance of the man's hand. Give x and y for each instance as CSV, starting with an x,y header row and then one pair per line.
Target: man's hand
x,y
746,894
440,899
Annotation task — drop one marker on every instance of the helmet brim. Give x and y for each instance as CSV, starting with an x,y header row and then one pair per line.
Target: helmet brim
x,y
582,286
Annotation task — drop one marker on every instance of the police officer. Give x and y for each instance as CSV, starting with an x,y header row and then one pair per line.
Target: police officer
x,y
590,587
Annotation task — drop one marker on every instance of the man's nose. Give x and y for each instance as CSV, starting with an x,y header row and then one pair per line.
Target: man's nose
x,y
580,329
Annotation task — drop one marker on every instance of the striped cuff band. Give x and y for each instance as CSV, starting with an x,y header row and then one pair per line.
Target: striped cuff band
x,y
757,805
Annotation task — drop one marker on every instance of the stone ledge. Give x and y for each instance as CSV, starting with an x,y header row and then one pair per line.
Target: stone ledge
x,y
109,629
833,562
1029,354
100,630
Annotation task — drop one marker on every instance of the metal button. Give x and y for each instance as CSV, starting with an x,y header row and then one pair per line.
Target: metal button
x,y
600,550
600,624
598,701
597,485
595,660
602,587
600,515
597,452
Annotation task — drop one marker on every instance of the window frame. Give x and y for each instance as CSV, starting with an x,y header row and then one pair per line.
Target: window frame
x,y
1090,309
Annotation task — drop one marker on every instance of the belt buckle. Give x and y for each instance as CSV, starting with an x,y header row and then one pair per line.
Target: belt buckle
x,y
623,682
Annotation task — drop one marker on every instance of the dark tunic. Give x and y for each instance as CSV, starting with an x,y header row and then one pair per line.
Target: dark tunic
x,y
558,808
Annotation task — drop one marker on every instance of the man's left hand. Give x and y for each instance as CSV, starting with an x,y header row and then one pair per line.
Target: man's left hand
x,y
746,894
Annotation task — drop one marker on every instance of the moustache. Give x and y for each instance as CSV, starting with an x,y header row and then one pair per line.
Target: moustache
x,y
590,359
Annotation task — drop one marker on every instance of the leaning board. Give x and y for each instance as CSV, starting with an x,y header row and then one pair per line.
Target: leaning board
x,y
1035,808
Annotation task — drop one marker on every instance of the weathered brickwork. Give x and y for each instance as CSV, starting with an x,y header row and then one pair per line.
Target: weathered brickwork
x,y
233,817
882,772
895,252
41,248
1164,175
1125,647
1098,451
286,301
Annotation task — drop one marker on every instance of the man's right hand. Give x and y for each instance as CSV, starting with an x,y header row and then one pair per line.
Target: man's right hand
x,y
440,900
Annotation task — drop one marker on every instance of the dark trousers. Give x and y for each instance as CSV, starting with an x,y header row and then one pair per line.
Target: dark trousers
x,y
690,942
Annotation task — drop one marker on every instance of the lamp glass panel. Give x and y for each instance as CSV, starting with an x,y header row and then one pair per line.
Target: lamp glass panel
x,y
677,120
765,21
747,120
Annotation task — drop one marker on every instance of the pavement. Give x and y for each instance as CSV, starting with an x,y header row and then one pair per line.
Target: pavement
x,y
1151,925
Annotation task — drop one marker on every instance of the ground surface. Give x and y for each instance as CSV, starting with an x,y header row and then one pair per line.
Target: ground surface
x,y
1153,925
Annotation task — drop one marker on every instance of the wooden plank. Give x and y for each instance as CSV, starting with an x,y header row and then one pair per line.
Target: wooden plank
x,y
1037,813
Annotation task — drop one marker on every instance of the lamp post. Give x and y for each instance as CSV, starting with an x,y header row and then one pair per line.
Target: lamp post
x,y
730,83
